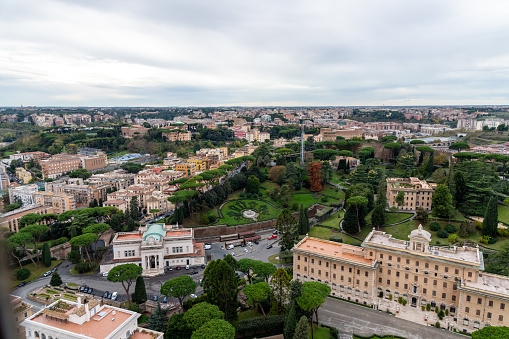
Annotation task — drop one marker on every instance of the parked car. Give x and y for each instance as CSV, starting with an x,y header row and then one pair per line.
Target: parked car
x,y
114,296
193,296
230,247
170,268
256,242
155,298
187,267
179,268
243,245
274,236
82,288
106,294
105,274
22,284
195,272
203,266
269,247
275,232
91,291
207,247
165,300
208,243
246,250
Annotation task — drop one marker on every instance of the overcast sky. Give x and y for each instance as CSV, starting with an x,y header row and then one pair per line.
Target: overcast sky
x,y
237,52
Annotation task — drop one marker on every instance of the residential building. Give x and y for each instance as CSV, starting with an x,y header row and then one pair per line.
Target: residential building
x,y
220,152
133,131
262,136
60,164
73,320
59,202
200,164
418,193
20,311
177,134
89,151
26,157
384,271
23,175
188,169
329,134
83,193
153,248
10,220
23,193
120,204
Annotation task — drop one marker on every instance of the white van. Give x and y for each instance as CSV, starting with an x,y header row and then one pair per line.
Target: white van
x,y
230,247
114,296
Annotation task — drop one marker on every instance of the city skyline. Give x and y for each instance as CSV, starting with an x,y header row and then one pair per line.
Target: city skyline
x,y
58,53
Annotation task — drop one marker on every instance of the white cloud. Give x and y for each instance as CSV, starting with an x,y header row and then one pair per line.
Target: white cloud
x,y
265,52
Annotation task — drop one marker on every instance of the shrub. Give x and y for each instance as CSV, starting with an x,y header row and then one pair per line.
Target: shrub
x,y
492,241
450,228
434,226
436,309
446,312
204,219
295,206
242,195
260,194
55,279
400,300
437,324
452,238
255,326
441,315
355,243
428,307
478,225
83,267
390,296
442,234
423,307
404,302
503,232
22,273
380,294
324,199
336,238
334,334
212,219
134,307
249,195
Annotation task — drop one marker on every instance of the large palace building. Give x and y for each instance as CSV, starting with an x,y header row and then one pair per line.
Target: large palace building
x,y
384,271
153,248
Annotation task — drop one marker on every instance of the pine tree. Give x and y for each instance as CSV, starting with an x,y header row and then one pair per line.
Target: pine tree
x,y
490,223
290,320
55,279
302,329
46,255
158,320
140,292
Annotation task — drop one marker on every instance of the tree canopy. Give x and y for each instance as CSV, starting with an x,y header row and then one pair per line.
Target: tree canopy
x,y
200,314
179,287
125,274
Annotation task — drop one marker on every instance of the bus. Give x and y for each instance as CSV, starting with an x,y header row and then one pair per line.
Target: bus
x,y
229,237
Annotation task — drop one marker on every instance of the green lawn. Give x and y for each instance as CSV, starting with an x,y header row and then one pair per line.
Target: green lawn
x,y
35,272
321,333
503,213
394,217
333,192
320,232
306,199
333,221
249,314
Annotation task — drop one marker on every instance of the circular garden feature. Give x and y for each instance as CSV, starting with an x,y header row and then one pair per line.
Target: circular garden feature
x,y
237,212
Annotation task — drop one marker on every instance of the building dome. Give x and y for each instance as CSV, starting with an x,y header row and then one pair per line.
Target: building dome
x,y
419,232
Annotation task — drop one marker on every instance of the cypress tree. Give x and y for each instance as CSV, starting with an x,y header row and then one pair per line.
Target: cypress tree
x,y
350,221
430,167
290,320
46,255
421,158
302,329
378,216
490,223
140,292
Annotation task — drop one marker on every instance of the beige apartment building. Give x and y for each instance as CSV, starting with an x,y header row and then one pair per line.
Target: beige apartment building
x,y
418,193
384,269
23,175
179,135
83,194
10,220
60,164
20,311
59,202
329,134
133,131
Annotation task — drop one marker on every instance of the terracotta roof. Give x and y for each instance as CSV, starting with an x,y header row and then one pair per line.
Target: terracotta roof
x,y
333,249
177,233
129,236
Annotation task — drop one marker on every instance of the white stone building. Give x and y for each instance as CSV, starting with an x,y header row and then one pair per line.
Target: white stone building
x,y
153,248
65,319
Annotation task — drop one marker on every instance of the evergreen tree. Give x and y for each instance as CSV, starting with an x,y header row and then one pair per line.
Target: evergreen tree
x,y
100,202
177,328
158,320
55,279
303,221
460,188
350,221
46,255
290,320
421,158
181,216
442,202
302,329
378,217
140,292
490,223
220,286
134,209
430,167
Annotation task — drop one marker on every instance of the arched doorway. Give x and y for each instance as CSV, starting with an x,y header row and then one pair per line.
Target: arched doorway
x,y
414,301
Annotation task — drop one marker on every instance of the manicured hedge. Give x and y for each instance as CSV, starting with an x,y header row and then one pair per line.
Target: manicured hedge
x,y
258,326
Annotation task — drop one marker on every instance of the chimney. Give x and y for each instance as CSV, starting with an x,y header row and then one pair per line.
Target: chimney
x,y
87,313
79,302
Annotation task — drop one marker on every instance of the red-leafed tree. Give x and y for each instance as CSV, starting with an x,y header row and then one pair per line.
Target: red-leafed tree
x,y
315,177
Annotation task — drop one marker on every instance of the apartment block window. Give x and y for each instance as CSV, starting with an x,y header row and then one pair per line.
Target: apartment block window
x,y
312,261
388,272
425,280
381,256
406,275
349,269
326,264
408,261
342,278
397,284
445,285
298,257
479,301
424,290
326,274
390,257
434,293
178,249
305,259
342,268
489,315
477,312
500,318
453,298
436,267
397,274
416,263
388,282
426,265
416,278
334,276
357,281
319,263
349,280
371,254
470,274
456,271
129,253
334,266
468,298
312,270
502,306
319,272
434,282
380,270
446,269
443,295
305,269
380,280
298,267
490,303
365,284
398,259
366,273
406,286
358,272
